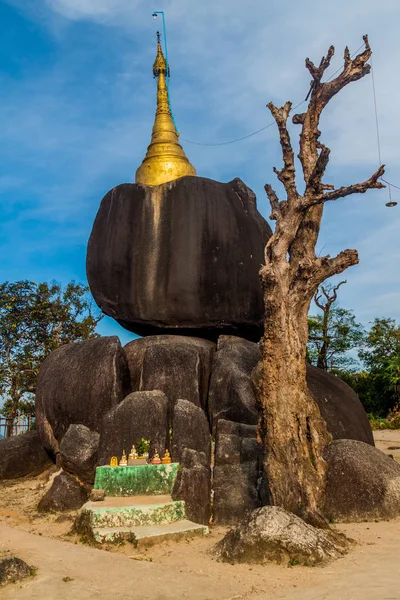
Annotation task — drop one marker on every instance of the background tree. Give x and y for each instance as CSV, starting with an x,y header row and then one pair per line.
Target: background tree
x,y
35,319
293,431
332,334
381,357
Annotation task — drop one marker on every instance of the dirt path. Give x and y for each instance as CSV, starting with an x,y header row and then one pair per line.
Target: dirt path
x,y
185,569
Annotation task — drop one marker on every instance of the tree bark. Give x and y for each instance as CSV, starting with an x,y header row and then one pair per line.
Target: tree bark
x,y
291,427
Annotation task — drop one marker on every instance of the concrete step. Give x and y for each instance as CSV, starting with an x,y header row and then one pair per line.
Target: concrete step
x,y
145,535
133,511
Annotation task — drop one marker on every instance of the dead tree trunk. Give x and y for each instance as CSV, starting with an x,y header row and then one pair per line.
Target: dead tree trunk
x,y
294,433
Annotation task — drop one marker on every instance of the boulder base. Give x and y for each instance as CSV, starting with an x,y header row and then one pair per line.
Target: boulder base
x,y
271,534
193,485
22,455
13,569
182,257
79,383
139,415
363,483
79,452
177,365
66,493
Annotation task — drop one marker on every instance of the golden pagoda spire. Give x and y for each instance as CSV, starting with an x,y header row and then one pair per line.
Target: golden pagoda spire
x,y
165,159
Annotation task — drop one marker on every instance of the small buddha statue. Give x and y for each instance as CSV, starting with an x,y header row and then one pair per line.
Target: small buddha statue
x,y
166,459
114,461
123,462
156,459
132,456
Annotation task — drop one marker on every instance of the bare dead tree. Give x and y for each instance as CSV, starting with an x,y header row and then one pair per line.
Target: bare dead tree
x,y
294,433
330,294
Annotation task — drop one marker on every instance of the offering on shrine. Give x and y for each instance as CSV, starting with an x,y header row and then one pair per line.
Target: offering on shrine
x,y
123,462
156,459
166,459
114,461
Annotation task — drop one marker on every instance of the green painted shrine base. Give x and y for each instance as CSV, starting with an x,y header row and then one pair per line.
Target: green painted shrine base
x,y
138,514
136,481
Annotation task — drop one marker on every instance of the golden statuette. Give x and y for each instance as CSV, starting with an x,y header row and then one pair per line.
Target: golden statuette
x,y
123,462
114,461
165,159
166,459
156,459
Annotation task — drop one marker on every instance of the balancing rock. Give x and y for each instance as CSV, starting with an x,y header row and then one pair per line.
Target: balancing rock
x,y
182,257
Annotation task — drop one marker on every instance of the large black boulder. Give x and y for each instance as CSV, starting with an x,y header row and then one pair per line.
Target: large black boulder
x,y
237,472
65,493
193,485
232,397
79,383
182,257
190,429
363,483
340,406
22,455
177,365
231,394
139,415
79,451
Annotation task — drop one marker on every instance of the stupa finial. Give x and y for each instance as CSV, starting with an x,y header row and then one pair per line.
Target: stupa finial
x,y
165,159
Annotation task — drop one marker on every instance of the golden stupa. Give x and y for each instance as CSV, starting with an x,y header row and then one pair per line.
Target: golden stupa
x,y
165,159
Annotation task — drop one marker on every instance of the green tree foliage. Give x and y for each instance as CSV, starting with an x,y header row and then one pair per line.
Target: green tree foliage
x,y
35,319
333,333
381,356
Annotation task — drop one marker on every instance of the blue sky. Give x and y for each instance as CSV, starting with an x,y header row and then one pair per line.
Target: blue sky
x,y
77,101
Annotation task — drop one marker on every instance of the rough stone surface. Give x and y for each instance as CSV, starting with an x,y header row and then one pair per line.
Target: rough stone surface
x,y
237,472
193,485
271,534
178,366
66,493
139,415
182,257
362,483
232,397
22,455
79,452
340,406
79,383
190,429
97,495
13,569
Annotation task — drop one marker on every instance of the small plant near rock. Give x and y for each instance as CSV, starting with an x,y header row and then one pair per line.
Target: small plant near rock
x,y
33,571
293,562
67,579
143,447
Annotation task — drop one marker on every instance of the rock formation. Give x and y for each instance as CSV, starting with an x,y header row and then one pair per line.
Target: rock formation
x,y
182,258
23,455
363,483
79,383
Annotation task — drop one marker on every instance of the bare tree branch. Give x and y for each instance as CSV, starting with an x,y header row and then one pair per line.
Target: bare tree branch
x,y
287,174
274,202
326,266
357,188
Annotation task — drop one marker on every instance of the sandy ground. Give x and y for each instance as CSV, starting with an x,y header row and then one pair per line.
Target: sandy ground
x,y
67,568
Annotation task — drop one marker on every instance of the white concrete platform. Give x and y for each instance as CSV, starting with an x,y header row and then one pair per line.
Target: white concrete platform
x,y
143,535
